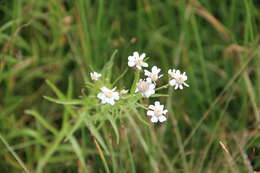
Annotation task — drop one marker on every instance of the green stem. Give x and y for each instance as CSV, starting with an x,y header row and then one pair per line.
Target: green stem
x,y
137,76
162,87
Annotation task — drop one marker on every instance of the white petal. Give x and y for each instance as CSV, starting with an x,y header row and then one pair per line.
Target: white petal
x,y
104,89
142,56
152,92
145,64
131,63
156,70
104,101
185,84
131,58
116,97
165,111
162,118
101,96
157,103
184,77
123,91
161,107
172,82
152,86
171,72
154,119
111,101
139,67
151,107
149,80
136,54
150,113
176,86
181,87
148,93
147,73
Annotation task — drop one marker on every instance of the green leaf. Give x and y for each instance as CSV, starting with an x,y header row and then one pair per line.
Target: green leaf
x,y
108,67
76,126
65,101
42,121
113,123
55,89
120,76
97,135
79,152
159,95
19,160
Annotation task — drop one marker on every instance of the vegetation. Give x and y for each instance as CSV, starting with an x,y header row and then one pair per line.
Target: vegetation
x,y
52,122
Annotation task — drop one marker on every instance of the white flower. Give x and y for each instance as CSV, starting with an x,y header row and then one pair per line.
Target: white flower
x,y
123,91
178,79
154,74
95,76
157,113
108,96
137,61
146,87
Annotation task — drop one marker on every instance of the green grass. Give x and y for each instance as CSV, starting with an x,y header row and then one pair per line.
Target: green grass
x,y
50,123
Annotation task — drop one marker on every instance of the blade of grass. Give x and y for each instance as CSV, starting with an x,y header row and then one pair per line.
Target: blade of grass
x,y
102,156
42,121
18,159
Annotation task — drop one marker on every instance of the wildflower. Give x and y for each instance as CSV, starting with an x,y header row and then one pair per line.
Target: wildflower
x,y
94,76
123,91
178,79
137,61
154,74
108,96
157,113
146,87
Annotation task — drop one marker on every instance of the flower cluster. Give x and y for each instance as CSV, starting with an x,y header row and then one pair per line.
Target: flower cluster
x,y
137,61
108,96
145,86
178,79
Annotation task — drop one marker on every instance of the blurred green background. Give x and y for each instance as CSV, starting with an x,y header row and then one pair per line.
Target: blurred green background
x,y
213,126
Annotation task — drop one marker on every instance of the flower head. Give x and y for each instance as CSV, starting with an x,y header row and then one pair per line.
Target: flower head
x,y
178,79
157,113
154,74
108,96
94,76
146,87
137,61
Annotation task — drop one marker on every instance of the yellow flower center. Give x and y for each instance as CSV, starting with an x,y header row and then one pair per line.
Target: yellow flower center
x,y
109,93
139,61
143,86
158,112
154,76
180,80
